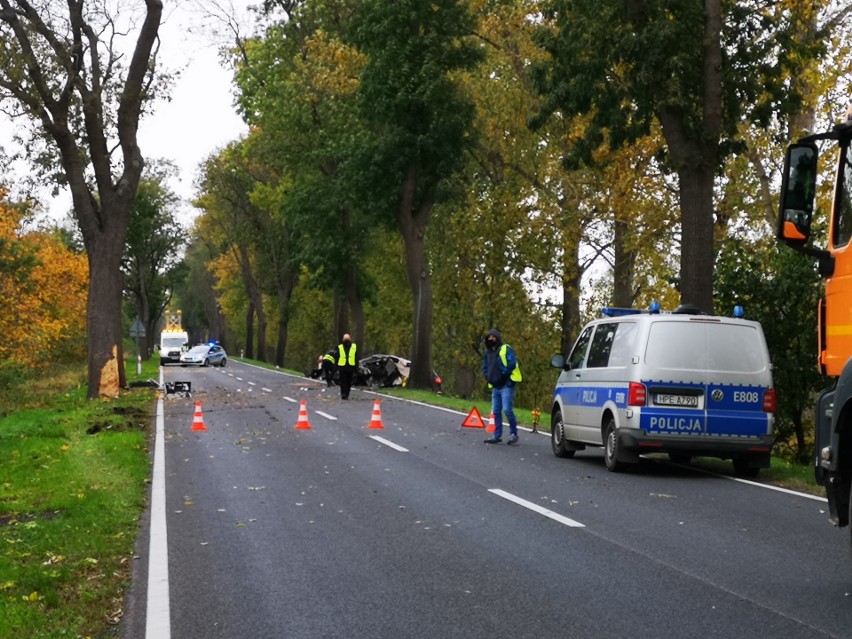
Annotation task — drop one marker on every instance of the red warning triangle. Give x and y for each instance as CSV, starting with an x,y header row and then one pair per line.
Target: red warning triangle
x,y
473,419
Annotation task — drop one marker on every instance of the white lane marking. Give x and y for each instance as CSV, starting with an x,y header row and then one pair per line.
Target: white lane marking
x,y
536,508
290,399
326,415
252,383
157,619
239,378
384,441
787,491
266,390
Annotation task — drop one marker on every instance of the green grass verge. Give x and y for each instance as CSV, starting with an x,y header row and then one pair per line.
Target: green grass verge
x,y
73,488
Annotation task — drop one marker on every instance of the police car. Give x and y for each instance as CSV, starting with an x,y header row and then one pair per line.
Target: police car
x,y
682,383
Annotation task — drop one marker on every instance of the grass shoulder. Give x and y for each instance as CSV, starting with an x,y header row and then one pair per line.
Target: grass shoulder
x,y
74,488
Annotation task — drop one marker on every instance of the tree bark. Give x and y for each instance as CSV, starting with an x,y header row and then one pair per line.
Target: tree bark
x,y
624,265
695,151
412,218
249,350
571,281
256,297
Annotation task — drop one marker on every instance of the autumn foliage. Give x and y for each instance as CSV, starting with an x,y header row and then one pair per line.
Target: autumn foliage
x,y
43,286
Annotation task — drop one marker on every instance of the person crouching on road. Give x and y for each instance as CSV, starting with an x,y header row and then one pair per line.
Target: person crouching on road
x,y
346,364
328,367
501,370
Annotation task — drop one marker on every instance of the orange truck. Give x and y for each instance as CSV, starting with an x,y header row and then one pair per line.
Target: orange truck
x,y
833,436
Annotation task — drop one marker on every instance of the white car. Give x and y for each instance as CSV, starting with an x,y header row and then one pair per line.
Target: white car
x,y
204,355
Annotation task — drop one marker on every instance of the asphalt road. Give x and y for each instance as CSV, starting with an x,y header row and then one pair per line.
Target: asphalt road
x,y
421,530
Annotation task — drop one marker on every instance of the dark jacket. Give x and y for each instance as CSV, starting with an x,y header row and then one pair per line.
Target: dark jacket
x,y
496,373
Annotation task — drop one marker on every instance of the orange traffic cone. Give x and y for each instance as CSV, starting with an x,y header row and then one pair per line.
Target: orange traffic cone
x,y
491,427
376,421
198,418
303,423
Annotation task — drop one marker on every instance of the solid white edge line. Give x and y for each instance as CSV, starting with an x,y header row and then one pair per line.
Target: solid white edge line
x,y
390,444
536,508
326,415
158,614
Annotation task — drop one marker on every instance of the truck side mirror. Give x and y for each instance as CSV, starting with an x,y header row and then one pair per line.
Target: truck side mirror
x,y
798,194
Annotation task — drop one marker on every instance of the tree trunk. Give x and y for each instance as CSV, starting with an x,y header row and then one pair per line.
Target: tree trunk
x,y
256,297
571,280
103,329
412,218
286,284
697,250
695,151
340,309
249,350
802,453
356,307
624,265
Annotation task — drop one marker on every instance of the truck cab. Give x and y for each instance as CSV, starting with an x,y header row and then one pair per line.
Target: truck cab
x,y
833,436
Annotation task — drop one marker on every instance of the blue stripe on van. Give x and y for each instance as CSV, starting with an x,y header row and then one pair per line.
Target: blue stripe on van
x,y
592,396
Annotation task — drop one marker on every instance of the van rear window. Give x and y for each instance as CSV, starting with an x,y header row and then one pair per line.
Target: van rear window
x,y
735,348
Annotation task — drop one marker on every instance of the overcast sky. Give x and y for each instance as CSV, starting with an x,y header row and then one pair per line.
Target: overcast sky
x,y
200,118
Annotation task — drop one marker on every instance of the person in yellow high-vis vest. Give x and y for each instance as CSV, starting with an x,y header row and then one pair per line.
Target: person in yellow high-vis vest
x,y
329,361
501,371
346,364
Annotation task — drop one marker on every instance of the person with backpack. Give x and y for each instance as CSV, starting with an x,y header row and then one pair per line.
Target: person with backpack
x,y
501,371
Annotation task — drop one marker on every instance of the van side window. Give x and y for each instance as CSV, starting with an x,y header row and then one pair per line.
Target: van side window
x,y
578,353
601,345
611,345
622,353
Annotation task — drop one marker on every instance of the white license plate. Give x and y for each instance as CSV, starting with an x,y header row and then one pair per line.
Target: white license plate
x,y
690,401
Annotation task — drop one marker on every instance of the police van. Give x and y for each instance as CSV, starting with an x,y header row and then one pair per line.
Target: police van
x,y
682,383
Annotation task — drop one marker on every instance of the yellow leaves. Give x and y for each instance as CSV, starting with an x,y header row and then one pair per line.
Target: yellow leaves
x,y
46,289
329,68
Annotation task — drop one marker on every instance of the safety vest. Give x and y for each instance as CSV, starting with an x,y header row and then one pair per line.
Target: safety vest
x,y
341,361
328,357
516,372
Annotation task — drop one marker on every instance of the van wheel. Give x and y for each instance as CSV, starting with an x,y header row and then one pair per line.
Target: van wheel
x,y
557,436
206,363
223,362
742,468
611,448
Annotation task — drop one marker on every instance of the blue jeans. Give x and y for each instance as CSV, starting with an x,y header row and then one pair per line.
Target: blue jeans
x,y
502,401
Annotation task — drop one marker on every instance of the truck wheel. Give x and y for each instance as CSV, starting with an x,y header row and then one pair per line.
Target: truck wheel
x,y
742,468
611,448
557,436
